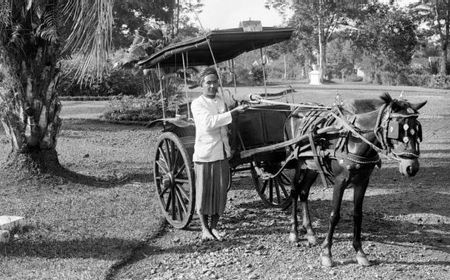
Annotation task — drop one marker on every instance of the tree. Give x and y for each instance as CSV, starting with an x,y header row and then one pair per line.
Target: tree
x,y
182,27
435,14
386,38
132,16
341,57
319,18
32,41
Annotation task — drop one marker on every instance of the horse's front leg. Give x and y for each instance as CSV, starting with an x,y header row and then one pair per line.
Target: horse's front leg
x,y
338,192
358,198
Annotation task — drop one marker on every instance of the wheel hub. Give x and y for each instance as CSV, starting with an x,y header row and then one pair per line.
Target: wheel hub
x,y
168,180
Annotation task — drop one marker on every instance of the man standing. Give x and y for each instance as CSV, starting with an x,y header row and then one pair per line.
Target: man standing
x,y
211,153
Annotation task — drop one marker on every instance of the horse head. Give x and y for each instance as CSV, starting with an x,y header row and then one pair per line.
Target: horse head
x,y
400,133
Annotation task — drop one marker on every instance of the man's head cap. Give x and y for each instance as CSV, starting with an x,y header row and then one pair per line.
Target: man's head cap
x,y
208,71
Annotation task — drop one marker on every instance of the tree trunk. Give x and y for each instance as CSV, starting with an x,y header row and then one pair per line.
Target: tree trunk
x,y
322,51
443,64
30,109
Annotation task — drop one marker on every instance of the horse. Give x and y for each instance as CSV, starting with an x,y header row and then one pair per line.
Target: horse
x,y
346,155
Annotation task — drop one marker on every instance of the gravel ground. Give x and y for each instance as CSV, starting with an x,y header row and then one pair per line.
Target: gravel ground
x,y
404,236
406,227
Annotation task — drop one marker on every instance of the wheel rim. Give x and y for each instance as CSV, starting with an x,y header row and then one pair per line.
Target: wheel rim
x,y
273,191
174,182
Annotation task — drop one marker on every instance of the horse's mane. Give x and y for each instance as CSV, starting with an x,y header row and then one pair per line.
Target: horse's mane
x,y
360,106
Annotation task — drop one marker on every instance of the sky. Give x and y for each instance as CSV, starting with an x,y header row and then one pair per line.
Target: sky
x,y
220,14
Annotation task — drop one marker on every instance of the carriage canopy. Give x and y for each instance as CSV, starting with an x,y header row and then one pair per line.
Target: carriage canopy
x,y
225,44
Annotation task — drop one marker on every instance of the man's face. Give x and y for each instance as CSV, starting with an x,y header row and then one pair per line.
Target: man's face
x,y
210,85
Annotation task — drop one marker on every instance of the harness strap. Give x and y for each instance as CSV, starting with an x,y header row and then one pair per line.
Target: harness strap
x,y
358,135
316,159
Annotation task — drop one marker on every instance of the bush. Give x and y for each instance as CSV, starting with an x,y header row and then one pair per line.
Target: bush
x,y
419,80
148,107
257,75
353,78
438,81
129,108
116,82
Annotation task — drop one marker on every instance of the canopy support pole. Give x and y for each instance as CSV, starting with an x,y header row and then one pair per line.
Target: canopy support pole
x,y
218,73
234,77
264,72
161,91
185,85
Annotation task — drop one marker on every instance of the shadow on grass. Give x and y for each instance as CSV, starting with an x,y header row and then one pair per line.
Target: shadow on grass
x,y
97,125
64,176
102,248
108,182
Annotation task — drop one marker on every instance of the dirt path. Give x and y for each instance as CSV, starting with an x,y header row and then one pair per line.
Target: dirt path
x,y
406,233
406,227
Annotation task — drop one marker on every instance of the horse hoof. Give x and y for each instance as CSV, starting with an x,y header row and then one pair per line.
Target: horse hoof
x,y
362,259
293,237
312,240
326,261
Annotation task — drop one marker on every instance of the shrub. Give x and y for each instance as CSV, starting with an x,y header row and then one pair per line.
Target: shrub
x,y
439,81
149,107
129,108
353,78
257,75
117,81
388,78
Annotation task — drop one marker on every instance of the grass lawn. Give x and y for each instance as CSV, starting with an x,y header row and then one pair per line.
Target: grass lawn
x,y
78,229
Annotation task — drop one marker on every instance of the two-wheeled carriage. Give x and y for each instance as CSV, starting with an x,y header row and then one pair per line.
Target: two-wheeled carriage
x,y
261,126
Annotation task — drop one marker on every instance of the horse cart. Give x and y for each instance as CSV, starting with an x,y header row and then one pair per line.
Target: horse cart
x,y
261,127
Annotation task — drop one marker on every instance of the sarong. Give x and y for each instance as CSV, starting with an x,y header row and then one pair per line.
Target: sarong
x,y
211,182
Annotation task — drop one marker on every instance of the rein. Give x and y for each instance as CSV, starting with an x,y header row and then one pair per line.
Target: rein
x,y
384,151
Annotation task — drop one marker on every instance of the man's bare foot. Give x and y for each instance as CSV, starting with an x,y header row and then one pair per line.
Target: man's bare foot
x,y
207,235
217,234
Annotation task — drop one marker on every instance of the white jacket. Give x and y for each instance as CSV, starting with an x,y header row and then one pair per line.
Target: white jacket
x,y
211,120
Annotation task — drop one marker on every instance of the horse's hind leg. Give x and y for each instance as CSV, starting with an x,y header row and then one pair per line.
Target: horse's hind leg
x,y
308,180
358,198
293,234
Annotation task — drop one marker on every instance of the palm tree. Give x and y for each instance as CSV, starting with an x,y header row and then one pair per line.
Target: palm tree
x,y
34,36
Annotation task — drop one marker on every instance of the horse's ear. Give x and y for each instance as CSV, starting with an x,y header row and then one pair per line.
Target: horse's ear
x,y
386,97
417,106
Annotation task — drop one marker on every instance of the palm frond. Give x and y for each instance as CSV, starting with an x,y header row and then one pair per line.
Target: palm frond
x,y
5,13
51,18
91,33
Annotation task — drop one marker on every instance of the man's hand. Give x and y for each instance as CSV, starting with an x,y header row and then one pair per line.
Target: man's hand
x,y
239,109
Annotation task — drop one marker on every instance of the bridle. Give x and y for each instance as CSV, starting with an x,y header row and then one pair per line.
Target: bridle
x,y
394,126
387,128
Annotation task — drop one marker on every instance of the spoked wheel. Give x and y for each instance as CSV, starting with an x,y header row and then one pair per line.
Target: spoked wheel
x,y
174,180
274,192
